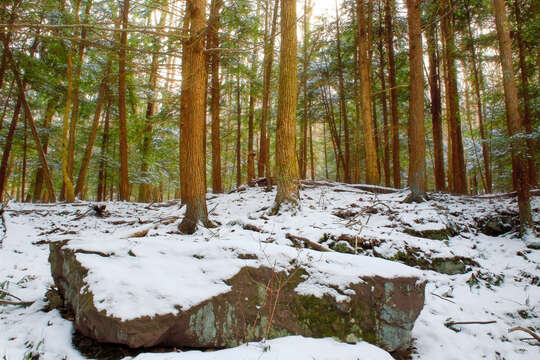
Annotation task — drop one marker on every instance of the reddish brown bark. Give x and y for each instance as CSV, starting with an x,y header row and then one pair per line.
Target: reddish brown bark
x,y
458,183
394,123
286,164
122,116
192,131
514,123
436,106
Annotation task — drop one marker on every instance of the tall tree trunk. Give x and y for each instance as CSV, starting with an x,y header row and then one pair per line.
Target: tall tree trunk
x,y
436,106
302,160
38,183
102,172
7,148
193,123
35,134
343,105
264,146
76,85
25,153
394,123
417,146
477,83
184,98
145,188
525,98
311,157
357,135
384,104
85,164
372,170
515,126
458,175
214,24
122,118
287,166
238,132
334,134
69,194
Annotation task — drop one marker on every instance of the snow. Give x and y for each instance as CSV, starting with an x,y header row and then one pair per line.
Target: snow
x,y
211,255
291,347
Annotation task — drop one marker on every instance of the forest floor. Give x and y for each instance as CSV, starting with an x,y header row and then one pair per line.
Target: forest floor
x,y
477,269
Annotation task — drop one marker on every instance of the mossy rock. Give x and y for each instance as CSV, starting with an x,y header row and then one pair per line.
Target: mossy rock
x,y
379,310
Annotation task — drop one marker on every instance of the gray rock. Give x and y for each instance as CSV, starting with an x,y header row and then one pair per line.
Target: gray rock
x,y
381,310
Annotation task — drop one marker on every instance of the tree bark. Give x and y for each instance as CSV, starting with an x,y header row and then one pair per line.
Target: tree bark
x,y
35,134
458,183
343,104
102,172
122,118
384,105
287,166
372,170
214,24
417,146
76,86
193,123
69,194
83,172
7,148
525,98
238,132
478,83
264,146
394,123
38,183
513,118
436,106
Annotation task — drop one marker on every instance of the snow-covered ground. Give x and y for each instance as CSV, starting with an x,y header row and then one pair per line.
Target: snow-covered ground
x,y
504,287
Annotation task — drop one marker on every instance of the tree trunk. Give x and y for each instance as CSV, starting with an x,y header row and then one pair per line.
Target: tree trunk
x,y
436,106
357,137
394,123
477,83
69,194
83,172
122,119
515,127
417,146
193,123
238,133
35,134
214,25
458,175
76,86
525,98
372,170
343,105
7,148
311,157
287,167
264,146
384,104
102,172
38,183
302,160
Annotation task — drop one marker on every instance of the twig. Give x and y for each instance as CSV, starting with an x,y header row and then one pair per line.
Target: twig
x,y
19,303
440,297
530,332
8,294
309,244
452,323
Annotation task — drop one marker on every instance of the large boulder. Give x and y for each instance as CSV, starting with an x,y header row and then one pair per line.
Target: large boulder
x,y
213,294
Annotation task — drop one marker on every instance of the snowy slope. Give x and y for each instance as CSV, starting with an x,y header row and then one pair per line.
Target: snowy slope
x,y
504,287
